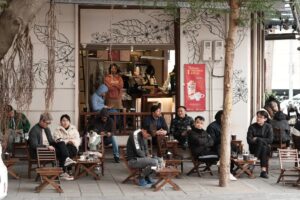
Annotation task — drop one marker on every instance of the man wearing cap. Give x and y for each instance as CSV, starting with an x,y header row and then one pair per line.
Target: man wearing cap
x,y
103,125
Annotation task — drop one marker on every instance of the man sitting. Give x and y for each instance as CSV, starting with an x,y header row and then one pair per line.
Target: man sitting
x,y
17,124
259,137
137,154
40,136
103,125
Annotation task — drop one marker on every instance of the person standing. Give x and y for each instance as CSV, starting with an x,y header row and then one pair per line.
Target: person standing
x,y
259,138
115,84
40,136
180,125
68,134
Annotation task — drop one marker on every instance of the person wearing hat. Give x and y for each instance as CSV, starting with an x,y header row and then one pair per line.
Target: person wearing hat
x,y
103,125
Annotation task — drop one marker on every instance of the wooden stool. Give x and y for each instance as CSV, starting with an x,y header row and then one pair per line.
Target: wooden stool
x,y
9,164
87,167
243,166
165,175
48,176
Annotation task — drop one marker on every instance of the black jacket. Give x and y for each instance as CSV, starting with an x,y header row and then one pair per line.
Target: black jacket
x,y
136,146
200,142
35,139
264,135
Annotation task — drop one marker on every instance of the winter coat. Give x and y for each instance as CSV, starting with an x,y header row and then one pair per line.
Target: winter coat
x,y
179,125
35,139
200,142
71,134
281,123
97,98
263,134
19,121
136,146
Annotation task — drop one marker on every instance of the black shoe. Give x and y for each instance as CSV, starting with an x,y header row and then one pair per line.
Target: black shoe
x,y
264,174
117,159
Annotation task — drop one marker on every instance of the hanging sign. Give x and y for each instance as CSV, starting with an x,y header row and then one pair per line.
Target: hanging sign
x,y
194,87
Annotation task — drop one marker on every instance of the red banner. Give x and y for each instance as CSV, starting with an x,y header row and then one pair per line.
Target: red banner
x,y
194,90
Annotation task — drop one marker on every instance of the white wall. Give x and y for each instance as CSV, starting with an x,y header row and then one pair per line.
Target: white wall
x,y
64,91
191,37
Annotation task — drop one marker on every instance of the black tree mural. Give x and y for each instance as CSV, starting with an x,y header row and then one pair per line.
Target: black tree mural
x,y
64,56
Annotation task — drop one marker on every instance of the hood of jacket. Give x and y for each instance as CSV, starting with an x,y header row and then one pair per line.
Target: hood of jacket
x,y
102,89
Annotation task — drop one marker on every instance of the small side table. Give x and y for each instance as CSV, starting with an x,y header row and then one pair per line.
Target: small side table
x,y
10,164
86,167
165,175
243,166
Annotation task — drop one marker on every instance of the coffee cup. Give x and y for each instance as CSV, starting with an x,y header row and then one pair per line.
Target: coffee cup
x,y
82,158
233,137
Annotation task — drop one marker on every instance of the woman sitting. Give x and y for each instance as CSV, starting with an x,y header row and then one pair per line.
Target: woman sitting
x,y
68,134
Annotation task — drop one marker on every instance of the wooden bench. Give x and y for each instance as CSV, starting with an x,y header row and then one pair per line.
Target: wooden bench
x,y
48,176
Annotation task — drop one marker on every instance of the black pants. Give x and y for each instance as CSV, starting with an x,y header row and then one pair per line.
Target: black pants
x,y
63,151
262,152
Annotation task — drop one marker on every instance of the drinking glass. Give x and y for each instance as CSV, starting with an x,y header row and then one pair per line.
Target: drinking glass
x,y
240,157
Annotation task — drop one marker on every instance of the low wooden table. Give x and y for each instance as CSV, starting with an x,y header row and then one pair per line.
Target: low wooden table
x,y
165,175
10,164
175,162
21,146
243,166
48,176
172,145
86,167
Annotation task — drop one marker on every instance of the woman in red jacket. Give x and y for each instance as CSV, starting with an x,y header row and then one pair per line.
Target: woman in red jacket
x,y
114,82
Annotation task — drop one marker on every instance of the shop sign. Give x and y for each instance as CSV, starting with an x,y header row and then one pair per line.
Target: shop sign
x,y
194,87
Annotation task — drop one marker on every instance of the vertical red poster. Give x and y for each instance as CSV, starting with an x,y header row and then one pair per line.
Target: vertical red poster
x,y
194,87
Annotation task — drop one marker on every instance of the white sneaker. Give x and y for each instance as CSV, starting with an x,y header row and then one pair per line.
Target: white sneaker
x,y
66,176
69,161
232,178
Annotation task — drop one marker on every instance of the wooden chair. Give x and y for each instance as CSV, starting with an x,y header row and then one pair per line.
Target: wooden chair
x,y
48,174
134,173
289,162
203,164
31,162
277,145
296,142
161,145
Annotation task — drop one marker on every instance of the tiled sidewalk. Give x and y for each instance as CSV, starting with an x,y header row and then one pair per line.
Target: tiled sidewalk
x,y
193,187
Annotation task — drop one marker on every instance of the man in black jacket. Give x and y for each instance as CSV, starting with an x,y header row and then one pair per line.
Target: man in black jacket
x,y
259,138
137,154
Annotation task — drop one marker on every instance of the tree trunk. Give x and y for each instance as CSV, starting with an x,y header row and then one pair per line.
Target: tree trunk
x,y
16,16
227,103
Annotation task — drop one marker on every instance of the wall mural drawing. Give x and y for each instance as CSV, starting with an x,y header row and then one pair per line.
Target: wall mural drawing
x,y
240,89
158,30
64,56
215,24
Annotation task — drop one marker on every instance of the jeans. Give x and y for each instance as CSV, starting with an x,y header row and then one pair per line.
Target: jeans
x,y
145,164
112,140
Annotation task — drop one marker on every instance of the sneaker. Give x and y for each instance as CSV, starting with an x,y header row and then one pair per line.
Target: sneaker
x,y
69,161
149,180
117,159
264,174
66,176
142,182
231,177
